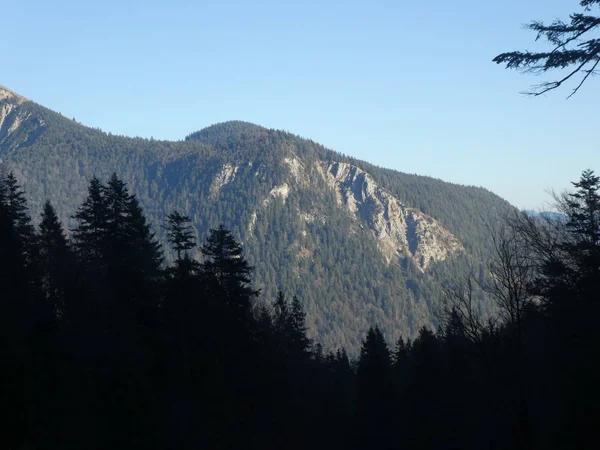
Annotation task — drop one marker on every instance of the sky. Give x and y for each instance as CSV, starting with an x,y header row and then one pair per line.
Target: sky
x,y
405,85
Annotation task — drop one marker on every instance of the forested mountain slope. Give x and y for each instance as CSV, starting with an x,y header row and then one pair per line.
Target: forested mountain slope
x,y
358,244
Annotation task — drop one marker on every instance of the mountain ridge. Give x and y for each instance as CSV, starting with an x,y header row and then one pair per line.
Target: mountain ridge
x,y
7,93
359,244
198,135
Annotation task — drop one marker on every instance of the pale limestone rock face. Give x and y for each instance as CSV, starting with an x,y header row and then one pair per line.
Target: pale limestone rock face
x,y
16,123
6,93
12,117
5,111
307,217
224,177
401,231
296,168
282,191
252,222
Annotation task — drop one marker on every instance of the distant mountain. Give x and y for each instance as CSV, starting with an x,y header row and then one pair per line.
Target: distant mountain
x,y
357,243
552,215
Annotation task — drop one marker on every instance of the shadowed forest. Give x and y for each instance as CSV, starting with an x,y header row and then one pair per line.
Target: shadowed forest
x,y
104,346
107,344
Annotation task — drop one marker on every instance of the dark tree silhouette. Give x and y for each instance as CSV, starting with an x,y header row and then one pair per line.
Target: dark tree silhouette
x,y
101,347
583,210
224,262
16,297
180,234
145,249
92,226
373,392
574,48
55,260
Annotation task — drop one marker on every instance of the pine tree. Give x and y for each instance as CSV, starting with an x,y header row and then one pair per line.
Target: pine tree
x,y
373,392
401,357
56,260
425,387
17,206
112,232
583,211
570,289
571,269
90,235
18,258
181,237
224,263
290,325
144,249
17,218
454,326
20,305
281,312
131,245
299,340
117,200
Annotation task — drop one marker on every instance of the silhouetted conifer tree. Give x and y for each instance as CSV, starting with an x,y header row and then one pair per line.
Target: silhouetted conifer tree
x,y
181,238
373,392
224,263
56,260
89,236
16,299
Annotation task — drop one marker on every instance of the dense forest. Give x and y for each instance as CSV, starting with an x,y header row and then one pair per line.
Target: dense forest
x,y
104,345
306,244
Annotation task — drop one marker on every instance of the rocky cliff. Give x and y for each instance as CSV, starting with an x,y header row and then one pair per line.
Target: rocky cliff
x,y
402,232
12,117
358,244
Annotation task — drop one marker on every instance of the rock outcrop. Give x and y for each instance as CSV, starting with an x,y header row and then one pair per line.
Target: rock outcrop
x,y
402,232
12,117
225,176
6,93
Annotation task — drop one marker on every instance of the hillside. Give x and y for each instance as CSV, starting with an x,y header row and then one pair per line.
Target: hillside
x,y
357,243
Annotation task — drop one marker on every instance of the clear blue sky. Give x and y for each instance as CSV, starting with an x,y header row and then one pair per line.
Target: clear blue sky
x,y
406,85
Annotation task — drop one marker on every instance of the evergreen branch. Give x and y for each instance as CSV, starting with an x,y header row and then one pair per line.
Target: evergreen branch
x,y
546,87
589,72
567,50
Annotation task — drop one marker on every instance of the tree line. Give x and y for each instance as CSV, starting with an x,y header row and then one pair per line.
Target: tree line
x,y
103,345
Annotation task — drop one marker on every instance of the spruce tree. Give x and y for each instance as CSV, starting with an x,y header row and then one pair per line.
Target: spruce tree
x,y
182,240
143,247
17,219
401,358
56,260
583,212
90,234
570,288
117,198
225,264
20,305
373,392
299,340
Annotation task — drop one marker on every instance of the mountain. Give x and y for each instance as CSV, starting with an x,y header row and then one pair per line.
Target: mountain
x,y
548,215
357,243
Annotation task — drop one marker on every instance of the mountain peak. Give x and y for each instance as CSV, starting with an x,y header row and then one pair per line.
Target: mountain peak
x,y
224,131
6,93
